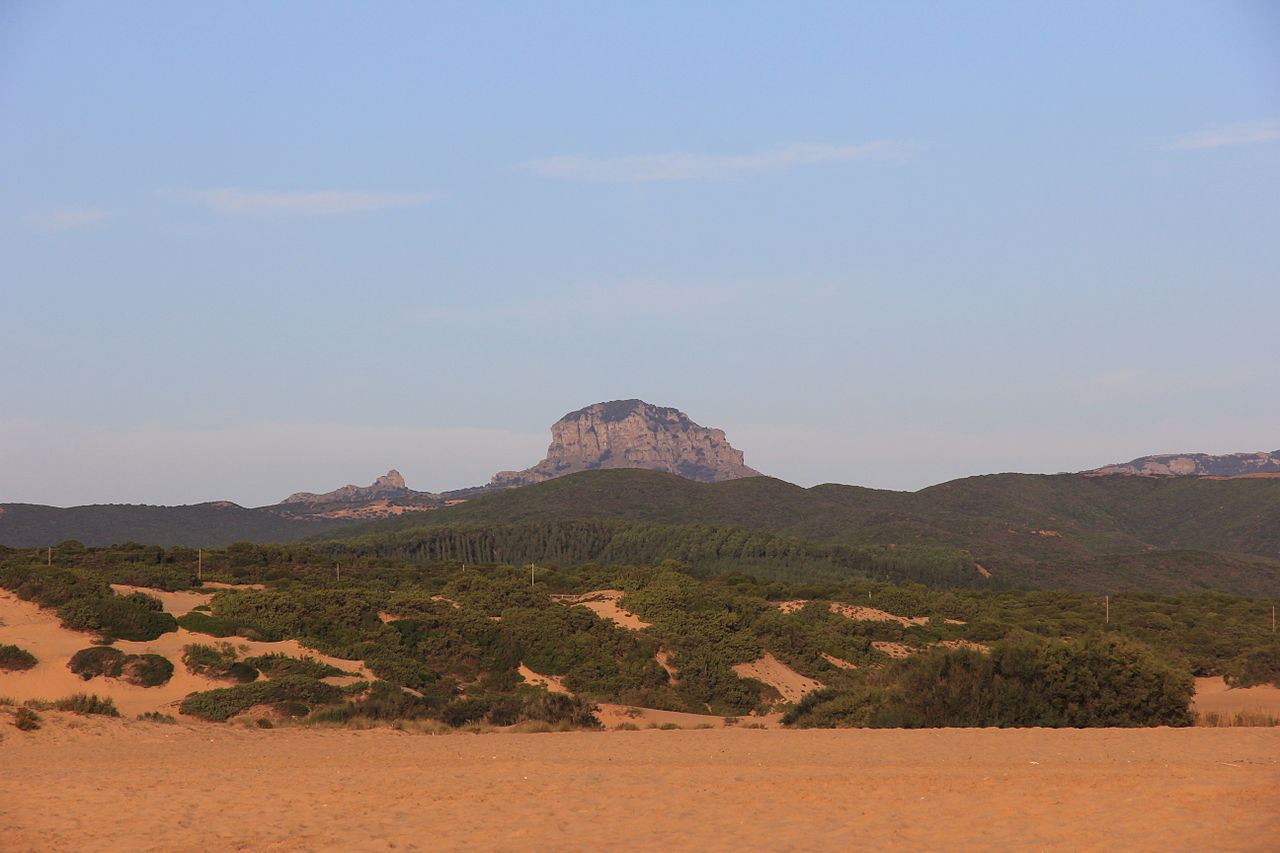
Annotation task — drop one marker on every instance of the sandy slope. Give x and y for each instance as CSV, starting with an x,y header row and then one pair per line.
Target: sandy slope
x,y
112,786
39,632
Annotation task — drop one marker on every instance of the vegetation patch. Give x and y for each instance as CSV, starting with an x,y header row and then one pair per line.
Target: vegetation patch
x,y
14,659
222,704
221,661
145,670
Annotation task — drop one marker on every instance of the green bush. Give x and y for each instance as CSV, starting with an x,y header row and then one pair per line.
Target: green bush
x,y
127,617
225,702
13,658
147,670
98,660
220,662
276,665
203,623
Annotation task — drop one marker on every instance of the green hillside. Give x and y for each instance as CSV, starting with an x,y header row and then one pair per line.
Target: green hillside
x,y
203,525
1045,531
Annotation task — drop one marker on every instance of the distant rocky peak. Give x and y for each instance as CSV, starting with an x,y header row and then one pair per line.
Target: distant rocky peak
x,y
1197,465
633,434
389,485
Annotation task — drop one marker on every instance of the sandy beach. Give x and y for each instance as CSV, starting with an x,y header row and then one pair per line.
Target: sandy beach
x,y
111,785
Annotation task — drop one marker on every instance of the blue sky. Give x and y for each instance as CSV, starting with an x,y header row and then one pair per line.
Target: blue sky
x,y
255,248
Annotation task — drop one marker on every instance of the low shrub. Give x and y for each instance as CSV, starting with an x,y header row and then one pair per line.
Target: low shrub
x,y
202,623
147,670
156,717
225,702
220,662
276,665
13,659
99,660
124,617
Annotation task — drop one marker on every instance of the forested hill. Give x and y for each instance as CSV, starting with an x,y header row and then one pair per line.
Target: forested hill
x,y
1063,530
197,525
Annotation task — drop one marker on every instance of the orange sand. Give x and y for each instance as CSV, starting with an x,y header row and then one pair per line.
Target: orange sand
x,y
119,787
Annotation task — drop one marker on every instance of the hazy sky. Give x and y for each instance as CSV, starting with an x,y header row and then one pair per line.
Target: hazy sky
x,y
254,248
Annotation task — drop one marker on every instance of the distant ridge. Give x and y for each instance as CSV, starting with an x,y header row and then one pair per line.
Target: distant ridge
x,y
389,485
633,434
1197,465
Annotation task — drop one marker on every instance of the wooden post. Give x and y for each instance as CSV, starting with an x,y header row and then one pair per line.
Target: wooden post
x,y
200,565
50,560
531,574
1107,599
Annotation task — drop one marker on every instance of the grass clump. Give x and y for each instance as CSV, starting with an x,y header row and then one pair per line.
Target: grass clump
x,y
87,703
26,720
156,717
14,659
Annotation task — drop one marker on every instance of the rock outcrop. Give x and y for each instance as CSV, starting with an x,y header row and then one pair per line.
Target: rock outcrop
x,y
633,434
1197,465
389,485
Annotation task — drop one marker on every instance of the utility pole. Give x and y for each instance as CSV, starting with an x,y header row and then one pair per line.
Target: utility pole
x,y
1107,599
337,571
50,560
200,565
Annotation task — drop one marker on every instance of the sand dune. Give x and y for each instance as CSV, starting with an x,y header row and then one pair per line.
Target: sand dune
x,y
1213,696
124,787
39,632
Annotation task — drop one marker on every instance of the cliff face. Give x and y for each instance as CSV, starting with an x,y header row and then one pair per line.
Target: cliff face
x,y
389,485
633,434
1197,465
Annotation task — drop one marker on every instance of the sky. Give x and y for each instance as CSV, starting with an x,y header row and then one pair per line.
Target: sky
x,y
253,248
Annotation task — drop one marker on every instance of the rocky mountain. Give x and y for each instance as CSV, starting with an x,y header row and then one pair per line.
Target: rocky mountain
x,y
1197,465
633,434
389,485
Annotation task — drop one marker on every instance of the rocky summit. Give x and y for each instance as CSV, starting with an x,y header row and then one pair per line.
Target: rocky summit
x,y
633,434
1197,465
389,485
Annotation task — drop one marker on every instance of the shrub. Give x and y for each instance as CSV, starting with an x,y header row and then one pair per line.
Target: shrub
x,y
99,660
26,720
147,670
13,658
219,662
125,617
275,665
85,703
202,623
225,702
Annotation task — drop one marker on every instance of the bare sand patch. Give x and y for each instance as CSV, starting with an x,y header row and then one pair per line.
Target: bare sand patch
x,y
604,603
114,786
551,682
791,684
178,603
860,613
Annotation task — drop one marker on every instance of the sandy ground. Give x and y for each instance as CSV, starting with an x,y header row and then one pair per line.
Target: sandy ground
x,y
114,786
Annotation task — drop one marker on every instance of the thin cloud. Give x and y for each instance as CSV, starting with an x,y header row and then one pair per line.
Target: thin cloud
x,y
684,167
64,219
238,202
1250,133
